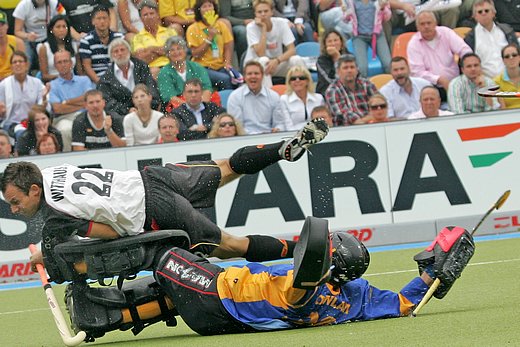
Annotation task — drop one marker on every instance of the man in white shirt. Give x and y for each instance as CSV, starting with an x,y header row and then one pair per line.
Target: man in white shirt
x,y
488,38
430,104
271,42
254,105
402,93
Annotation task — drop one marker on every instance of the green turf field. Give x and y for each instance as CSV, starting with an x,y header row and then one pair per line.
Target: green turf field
x,y
482,309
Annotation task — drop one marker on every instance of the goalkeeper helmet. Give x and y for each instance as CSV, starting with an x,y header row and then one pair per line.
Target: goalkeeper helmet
x,y
350,258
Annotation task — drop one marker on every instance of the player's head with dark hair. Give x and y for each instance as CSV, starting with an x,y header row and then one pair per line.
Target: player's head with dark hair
x,y
23,175
198,6
350,258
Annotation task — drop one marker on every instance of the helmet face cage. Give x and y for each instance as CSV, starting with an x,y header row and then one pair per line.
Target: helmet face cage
x,y
350,258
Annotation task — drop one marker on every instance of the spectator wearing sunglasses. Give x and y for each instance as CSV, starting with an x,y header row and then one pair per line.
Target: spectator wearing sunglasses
x,y
488,37
377,111
509,79
225,125
299,100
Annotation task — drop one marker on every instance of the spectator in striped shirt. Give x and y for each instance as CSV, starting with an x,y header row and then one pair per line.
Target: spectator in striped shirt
x,y
93,48
347,96
462,91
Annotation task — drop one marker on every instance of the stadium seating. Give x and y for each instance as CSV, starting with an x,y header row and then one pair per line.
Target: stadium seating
x,y
374,64
279,88
381,79
400,44
309,51
462,31
224,95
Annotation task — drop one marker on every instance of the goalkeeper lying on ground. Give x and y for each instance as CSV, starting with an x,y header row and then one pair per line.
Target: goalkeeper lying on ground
x,y
212,300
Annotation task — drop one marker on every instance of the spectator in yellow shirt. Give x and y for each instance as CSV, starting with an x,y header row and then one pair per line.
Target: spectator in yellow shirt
x,y
177,14
148,44
211,43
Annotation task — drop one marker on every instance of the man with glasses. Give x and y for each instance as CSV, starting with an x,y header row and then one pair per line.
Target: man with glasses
x,y
462,92
488,37
347,96
18,93
195,116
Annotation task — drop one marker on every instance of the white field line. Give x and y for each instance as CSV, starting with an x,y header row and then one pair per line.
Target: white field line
x,y
367,275
470,264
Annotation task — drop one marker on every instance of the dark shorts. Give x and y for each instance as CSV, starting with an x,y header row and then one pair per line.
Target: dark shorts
x,y
191,282
173,195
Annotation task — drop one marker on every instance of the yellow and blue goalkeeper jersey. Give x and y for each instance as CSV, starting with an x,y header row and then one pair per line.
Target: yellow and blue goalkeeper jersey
x,y
263,298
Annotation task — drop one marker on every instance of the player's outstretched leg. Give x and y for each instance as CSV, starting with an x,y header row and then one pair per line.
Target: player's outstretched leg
x,y
252,159
312,133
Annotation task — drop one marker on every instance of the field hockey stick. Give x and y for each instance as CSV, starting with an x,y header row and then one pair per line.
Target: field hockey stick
x,y
62,326
494,91
437,281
